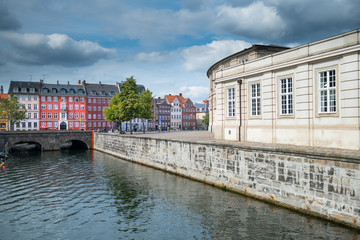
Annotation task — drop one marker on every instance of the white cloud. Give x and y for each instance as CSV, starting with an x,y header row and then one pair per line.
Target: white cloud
x,y
195,93
54,49
255,20
200,58
153,57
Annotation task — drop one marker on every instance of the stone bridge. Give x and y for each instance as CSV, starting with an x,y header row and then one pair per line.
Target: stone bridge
x,y
48,140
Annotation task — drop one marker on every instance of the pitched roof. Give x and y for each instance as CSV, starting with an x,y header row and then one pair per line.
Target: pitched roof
x,y
63,89
170,99
100,90
17,86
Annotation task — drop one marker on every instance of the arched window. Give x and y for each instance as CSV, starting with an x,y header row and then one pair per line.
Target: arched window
x,y
63,90
81,91
72,91
54,90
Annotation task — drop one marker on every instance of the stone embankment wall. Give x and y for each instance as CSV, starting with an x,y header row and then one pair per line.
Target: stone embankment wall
x,y
325,185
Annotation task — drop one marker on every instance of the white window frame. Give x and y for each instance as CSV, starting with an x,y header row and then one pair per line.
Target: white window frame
x,y
231,111
327,92
255,99
286,96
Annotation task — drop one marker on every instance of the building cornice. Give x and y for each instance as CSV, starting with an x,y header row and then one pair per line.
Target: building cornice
x,y
288,64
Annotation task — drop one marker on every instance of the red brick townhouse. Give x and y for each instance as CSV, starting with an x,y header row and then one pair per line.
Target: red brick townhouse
x,y
161,112
98,98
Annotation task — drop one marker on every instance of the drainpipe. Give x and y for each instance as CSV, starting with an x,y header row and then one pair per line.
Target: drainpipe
x,y
240,82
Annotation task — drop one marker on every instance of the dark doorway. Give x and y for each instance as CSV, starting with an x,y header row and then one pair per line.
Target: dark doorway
x,y
63,126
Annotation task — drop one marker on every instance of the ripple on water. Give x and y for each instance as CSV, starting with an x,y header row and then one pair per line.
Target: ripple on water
x,y
90,195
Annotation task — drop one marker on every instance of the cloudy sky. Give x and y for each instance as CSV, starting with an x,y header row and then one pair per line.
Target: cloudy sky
x,y
167,45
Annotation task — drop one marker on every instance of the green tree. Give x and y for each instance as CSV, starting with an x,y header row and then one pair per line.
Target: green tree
x,y
129,100
11,110
205,119
145,106
114,112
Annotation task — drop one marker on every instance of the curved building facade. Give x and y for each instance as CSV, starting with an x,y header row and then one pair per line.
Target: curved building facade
x,y
308,95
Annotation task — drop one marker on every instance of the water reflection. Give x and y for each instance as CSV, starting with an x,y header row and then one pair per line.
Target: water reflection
x,y
90,195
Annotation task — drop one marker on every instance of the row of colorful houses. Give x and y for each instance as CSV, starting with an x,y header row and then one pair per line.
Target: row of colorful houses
x,y
64,106
173,112
81,107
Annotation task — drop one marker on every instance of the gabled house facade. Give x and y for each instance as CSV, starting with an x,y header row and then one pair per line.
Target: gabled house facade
x,y
161,112
176,111
188,115
307,95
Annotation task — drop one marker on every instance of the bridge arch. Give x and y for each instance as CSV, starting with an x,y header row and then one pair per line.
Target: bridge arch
x,y
74,144
49,140
25,146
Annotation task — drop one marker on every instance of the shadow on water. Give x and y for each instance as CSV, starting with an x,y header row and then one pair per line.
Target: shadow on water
x,y
26,147
74,145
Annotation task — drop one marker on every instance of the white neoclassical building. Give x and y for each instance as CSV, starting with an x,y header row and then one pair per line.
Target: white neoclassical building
x,y
307,95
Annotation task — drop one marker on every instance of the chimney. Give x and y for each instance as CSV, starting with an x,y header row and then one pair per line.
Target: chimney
x,y
79,82
84,82
100,82
57,82
158,97
180,94
68,83
2,89
41,81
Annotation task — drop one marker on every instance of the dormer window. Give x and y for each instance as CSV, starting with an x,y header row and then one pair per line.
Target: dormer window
x,y
81,91
32,90
54,90
112,93
103,93
93,92
63,90
23,89
15,89
72,91
45,90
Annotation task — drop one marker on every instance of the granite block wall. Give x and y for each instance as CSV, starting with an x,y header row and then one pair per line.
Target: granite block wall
x,y
325,186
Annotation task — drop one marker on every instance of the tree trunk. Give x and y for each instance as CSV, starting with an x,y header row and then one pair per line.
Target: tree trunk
x,y
120,127
143,122
130,127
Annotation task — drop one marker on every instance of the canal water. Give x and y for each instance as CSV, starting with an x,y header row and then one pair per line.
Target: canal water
x,y
91,195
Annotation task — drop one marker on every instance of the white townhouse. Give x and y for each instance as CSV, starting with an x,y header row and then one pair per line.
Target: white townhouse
x,y
307,95
176,110
27,94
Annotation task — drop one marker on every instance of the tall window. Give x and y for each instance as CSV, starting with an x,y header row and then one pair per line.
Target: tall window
x,y
286,96
49,115
255,99
327,91
55,115
231,102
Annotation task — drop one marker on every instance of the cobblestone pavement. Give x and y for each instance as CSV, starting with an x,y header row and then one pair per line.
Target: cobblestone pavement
x,y
208,137
180,135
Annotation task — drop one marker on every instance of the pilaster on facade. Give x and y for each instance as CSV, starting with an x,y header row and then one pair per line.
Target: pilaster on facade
x,y
307,95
